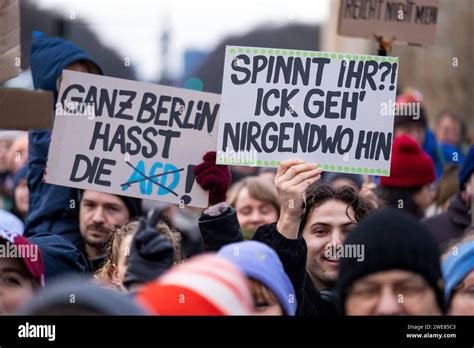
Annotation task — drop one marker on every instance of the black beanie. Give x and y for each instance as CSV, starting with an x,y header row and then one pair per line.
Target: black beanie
x,y
134,206
392,240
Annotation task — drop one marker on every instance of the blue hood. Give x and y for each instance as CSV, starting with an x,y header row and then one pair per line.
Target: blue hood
x,y
49,56
60,256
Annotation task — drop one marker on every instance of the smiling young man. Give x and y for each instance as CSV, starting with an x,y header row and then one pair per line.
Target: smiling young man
x,y
314,222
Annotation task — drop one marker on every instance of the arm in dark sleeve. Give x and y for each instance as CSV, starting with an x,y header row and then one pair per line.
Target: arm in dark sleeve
x,y
52,208
292,253
221,229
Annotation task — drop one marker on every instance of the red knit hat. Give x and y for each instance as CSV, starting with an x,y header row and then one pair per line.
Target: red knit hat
x,y
19,247
204,285
410,166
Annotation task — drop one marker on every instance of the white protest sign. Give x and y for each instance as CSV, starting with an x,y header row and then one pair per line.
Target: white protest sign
x,y
333,109
9,39
411,21
131,138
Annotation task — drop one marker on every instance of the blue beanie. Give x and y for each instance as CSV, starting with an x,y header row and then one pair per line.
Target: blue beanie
x,y
456,267
467,169
260,262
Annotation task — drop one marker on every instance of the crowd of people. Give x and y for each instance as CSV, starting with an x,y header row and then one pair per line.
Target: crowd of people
x,y
292,240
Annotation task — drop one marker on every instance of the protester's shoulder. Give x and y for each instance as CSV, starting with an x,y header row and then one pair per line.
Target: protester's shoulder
x,y
436,220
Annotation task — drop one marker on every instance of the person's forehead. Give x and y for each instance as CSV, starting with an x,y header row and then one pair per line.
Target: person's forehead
x,y
78,66
101,197
8,263
469,277
389,277
244,198
332,212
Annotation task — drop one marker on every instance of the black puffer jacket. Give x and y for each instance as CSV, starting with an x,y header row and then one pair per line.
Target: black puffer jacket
x,y
292,253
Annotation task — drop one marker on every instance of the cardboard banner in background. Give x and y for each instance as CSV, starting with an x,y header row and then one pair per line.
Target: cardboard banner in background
x,y
410,21
22,109
131,138
333,109
10,52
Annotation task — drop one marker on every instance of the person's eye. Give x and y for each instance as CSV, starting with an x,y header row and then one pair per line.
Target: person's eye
x,y
265,210
365,292
114,209
320,232
411,289
11,281
470,290
245,211
261,305
346,231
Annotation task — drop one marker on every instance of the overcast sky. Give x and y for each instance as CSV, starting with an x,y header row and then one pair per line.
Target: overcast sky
x,y
134,27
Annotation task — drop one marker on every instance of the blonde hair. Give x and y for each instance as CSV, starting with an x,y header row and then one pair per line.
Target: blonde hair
x,y
259,188
174,236
105,273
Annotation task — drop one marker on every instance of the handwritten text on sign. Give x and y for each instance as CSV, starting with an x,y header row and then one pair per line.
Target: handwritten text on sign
x,y
323,107
131,138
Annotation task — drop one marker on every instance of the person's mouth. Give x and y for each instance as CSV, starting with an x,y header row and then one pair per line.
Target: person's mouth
x,y
331,261
98,231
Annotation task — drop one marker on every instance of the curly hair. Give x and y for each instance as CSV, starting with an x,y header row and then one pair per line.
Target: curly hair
x,y
318,194
112,250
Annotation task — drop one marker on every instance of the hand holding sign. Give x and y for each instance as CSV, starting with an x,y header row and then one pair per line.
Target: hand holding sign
x,y
292,180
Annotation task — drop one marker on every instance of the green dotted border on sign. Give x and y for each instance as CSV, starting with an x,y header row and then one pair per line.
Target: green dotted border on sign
x,y
327,167
298,53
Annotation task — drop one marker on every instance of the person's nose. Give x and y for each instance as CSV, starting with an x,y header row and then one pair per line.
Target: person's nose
x,y
389,303
98,215
337,238
255,216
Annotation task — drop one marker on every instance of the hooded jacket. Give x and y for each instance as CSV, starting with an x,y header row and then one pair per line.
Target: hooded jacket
x,y
52,209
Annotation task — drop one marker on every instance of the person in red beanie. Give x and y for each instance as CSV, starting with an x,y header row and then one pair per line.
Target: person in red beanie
x,y
21,271
206,285
412,172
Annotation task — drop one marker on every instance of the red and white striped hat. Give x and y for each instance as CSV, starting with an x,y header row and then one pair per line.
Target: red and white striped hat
x,y
204,285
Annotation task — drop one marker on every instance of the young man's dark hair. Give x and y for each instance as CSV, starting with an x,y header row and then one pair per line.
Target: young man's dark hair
x,y
319,194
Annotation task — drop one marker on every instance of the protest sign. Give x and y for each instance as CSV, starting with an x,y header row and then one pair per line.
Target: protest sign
x,y
22,109
131,138
334,109
9,39
411,21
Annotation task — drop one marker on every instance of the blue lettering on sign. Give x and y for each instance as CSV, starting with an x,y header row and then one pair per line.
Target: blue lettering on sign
x,y
165,177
